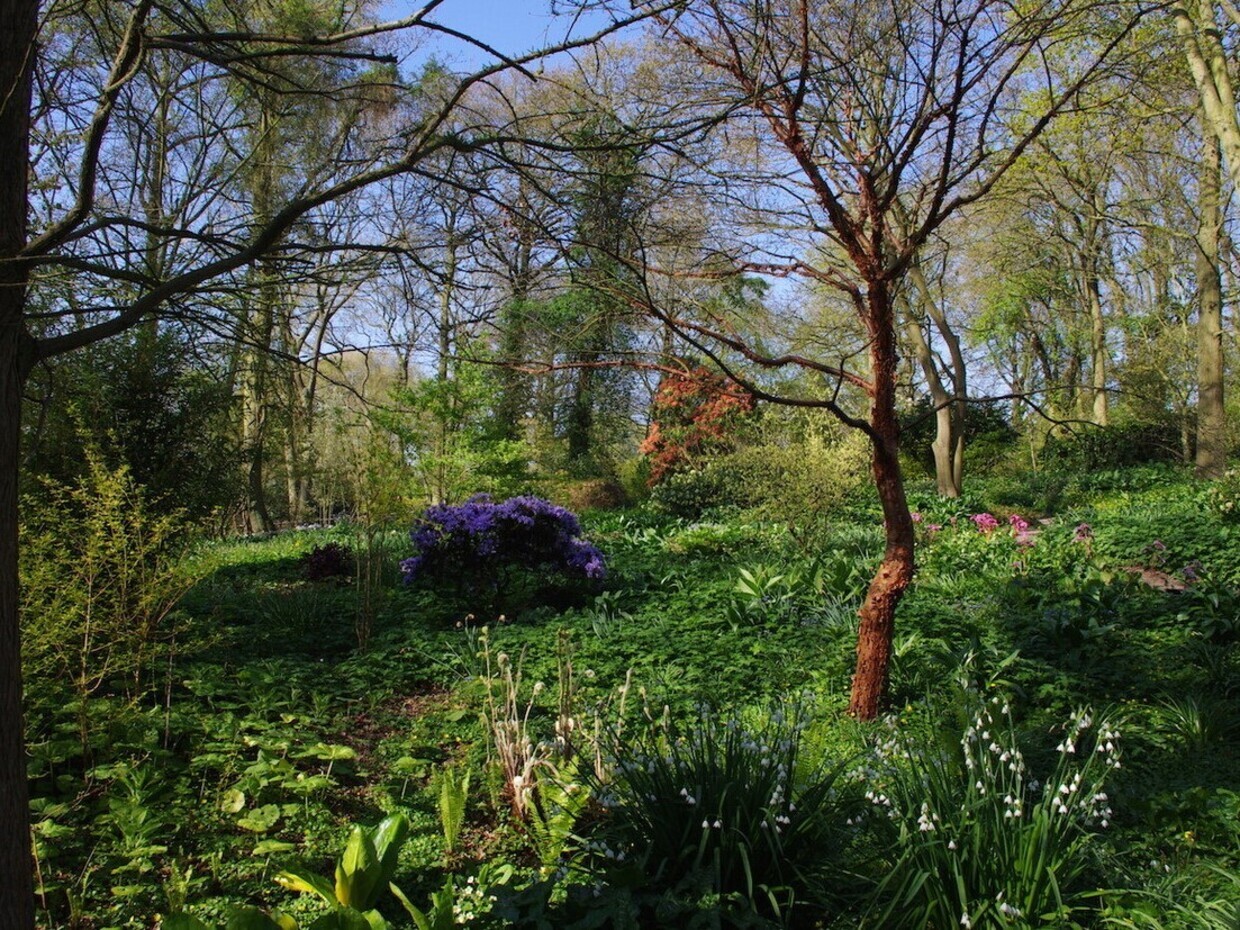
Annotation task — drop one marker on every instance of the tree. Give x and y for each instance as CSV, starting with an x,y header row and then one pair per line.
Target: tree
x,y
1211,412
97,228
1202,27
846,115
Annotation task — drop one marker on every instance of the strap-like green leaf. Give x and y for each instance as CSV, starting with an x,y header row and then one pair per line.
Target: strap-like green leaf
x,y
388,839
307,882
343,918
358,871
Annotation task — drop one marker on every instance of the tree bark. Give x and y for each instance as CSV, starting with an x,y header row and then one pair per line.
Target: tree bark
x,y
1207,60
895,572
941,447
17,42
950,422
1099,354
1211,414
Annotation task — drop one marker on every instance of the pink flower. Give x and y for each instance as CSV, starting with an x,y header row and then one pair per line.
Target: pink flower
x,y
1084,532
916,516
1019,524
985,523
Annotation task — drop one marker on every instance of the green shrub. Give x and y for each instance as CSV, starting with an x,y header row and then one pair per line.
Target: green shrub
x,y
100,575
1224,498
1096,448
799,482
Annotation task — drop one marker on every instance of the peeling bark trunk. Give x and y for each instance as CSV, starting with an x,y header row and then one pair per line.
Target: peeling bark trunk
x,y
17,43
895,573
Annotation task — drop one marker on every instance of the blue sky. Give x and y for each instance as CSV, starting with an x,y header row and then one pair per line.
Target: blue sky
x,y
510,26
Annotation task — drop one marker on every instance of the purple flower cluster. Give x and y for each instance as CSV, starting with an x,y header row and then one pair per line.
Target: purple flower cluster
x,y
480,536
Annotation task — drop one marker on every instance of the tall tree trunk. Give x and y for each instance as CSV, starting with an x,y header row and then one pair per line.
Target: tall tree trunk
x,y
941,398
514,397
949,434
895,572
1211,415
444,367
259,328
17,48
1099,408
1207,60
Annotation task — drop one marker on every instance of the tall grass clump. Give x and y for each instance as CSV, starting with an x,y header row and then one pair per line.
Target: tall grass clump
x,y
727,813
982,842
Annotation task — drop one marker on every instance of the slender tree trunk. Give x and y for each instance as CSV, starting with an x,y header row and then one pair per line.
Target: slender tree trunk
x,y
514,399
444,367
17,48
258,331
949,420
1207,60
1099,408
895,572
1211,414
941,447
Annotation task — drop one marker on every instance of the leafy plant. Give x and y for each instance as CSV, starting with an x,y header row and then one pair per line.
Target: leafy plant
x,y
982,843
364,869
453,796
559,800
727,809
100,576
241,918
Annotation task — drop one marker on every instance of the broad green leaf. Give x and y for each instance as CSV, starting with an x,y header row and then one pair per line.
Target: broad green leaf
x,y
267,847
232,801
307,882
250,918
388,839
377,921
329,752
182,922
358,871
344,918
261,819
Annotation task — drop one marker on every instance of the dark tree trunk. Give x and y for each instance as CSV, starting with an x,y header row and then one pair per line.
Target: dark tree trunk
x,y
895,573
17,43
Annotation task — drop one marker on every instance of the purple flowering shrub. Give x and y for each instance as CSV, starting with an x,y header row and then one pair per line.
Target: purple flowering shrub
x,y
480,539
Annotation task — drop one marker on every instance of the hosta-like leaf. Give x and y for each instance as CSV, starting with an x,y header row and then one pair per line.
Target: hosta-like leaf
x,y
261,819
344,918
358,871
267,847
307,882
388,839
251,918
182,922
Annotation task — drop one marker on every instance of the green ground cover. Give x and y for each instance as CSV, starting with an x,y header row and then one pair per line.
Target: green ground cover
x,y
668,747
